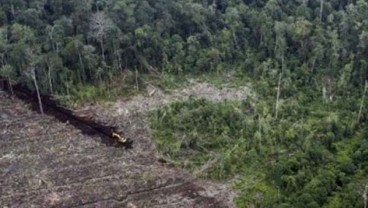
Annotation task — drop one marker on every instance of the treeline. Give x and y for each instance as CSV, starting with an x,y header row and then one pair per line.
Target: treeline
x,y
67,43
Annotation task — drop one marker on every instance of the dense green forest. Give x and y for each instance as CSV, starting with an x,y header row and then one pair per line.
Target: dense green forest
x,y
322,44
302,143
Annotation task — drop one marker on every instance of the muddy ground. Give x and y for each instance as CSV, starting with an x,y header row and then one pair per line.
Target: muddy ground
x,y
47,163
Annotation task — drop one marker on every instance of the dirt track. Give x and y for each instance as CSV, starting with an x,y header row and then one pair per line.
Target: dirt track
x,y
46,163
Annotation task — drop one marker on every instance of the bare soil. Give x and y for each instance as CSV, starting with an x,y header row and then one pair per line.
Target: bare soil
x,y
46,163
155,98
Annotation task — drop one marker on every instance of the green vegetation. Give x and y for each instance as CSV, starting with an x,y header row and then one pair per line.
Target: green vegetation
x,y
320,44
302,143
311,156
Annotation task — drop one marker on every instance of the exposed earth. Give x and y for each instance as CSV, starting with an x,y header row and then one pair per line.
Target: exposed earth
x,y
47,163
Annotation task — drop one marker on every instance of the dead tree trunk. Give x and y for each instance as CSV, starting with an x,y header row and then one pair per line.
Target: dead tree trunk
x,y
10,86
136,79
362,103
102,49
365,196
321,11
49,78
33,74
279,88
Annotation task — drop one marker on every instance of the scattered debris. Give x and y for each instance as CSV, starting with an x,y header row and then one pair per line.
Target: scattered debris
x,y
61,167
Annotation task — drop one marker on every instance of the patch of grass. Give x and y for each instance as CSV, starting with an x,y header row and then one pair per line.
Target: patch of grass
x,y
110,90
166,81
232,79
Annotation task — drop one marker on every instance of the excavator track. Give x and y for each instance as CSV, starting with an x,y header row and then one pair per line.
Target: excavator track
x,y
110,134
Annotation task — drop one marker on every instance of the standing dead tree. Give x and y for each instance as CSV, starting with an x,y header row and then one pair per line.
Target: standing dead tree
x,y
365,195
31,73
280,48
99,28
321,10
362,102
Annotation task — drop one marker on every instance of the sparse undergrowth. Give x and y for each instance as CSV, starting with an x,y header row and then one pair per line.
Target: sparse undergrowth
x,y
106,90
314,160
123,86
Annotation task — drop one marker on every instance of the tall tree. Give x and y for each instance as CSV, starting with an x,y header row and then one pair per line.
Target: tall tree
x,y
31,73
321,10
280,49
362,102
53,63
99,29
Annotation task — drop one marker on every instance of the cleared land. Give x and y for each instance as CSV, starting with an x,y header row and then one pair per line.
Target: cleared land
x,y
46,163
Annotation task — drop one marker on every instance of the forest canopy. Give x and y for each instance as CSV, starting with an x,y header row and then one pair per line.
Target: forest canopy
x,y
315,43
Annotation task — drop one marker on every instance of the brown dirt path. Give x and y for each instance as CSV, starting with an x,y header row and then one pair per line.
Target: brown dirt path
x,y
46,163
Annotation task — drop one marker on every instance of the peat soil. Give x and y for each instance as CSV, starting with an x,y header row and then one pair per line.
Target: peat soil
x,y
47,163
